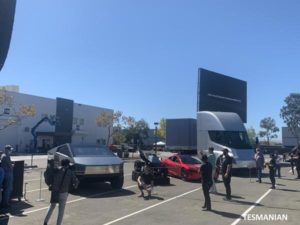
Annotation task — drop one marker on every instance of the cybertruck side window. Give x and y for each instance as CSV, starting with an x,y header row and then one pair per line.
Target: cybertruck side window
x,y
232,139
64,150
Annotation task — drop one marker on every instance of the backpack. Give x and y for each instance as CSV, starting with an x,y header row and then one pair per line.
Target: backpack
x,y
48,175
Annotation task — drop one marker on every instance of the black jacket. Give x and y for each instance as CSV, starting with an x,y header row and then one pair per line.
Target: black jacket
x,y
68,177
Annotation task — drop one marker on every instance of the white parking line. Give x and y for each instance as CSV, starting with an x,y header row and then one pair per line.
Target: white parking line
x,y
252,207
152,206
37,190
31,180
69,202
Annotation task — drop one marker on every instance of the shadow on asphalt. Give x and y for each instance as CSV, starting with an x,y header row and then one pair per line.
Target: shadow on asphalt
x,y
232,196
16,209
100,190
290,190
226,214
245,202
291,179
156,198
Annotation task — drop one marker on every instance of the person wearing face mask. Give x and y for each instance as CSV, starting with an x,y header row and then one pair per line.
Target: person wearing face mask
x,y
7,166
226,172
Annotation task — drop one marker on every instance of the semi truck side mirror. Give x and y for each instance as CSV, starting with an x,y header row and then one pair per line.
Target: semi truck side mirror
x,y
7,14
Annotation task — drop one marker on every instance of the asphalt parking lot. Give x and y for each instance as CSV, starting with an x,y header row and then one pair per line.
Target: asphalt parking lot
x,y
178,203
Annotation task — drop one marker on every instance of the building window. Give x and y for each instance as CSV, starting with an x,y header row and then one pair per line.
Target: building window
x,y
75,121
81,122
6,111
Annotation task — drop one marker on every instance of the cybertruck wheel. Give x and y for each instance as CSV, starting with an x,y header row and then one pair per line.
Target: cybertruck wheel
x,y
117,183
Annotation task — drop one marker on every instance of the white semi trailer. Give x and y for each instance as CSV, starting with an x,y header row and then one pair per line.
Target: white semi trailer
x,y
225,130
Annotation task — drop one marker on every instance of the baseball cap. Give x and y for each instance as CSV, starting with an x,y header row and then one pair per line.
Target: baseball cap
x,y
9,147
225,150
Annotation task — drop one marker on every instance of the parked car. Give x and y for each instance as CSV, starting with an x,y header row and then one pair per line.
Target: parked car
x,y
185,167
90,163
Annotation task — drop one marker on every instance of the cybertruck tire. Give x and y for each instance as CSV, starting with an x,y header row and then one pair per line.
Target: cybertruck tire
x,y
117,183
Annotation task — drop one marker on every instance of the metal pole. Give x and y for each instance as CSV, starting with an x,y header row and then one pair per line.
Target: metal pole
x,y
155,137
31,160
25,192
40,199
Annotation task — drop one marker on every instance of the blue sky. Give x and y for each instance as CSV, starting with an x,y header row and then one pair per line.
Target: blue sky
x,y
142,57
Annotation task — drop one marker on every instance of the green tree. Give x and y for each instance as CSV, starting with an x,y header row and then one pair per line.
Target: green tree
x,y
136,131
12,114
290,113
270,129
252,135
161,130
112,121
118,136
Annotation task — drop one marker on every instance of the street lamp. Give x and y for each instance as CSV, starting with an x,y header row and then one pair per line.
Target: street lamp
x,y
155,136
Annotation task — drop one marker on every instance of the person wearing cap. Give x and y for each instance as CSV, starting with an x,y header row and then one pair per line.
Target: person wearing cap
x,y
212,160
226,172
260,161
7,166
206,177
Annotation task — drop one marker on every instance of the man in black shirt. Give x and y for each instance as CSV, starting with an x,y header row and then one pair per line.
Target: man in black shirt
x,y
206,176
226,172
272,170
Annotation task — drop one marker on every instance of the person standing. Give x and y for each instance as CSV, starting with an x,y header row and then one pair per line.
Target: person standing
x,y
292,163
206,176
2,174
63,179
260,162
278,165
226,172
298,164
212,160
272,170
7,166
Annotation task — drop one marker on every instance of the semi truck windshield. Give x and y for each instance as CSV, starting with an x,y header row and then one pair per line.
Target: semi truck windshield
x,y
231,139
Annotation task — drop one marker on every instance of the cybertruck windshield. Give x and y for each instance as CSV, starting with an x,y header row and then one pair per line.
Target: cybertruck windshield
x,y
231,139
91,151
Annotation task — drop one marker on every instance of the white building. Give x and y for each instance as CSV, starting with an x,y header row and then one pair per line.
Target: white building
x,y
288,139
84,128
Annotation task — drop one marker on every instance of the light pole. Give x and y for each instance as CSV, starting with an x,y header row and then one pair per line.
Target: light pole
x,y
155,137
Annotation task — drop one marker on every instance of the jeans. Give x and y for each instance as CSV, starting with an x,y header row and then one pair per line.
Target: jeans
x,y
8,187
213,187
227,186
1,182
2,174
272,178
259,173
61,208
205,187
278,168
